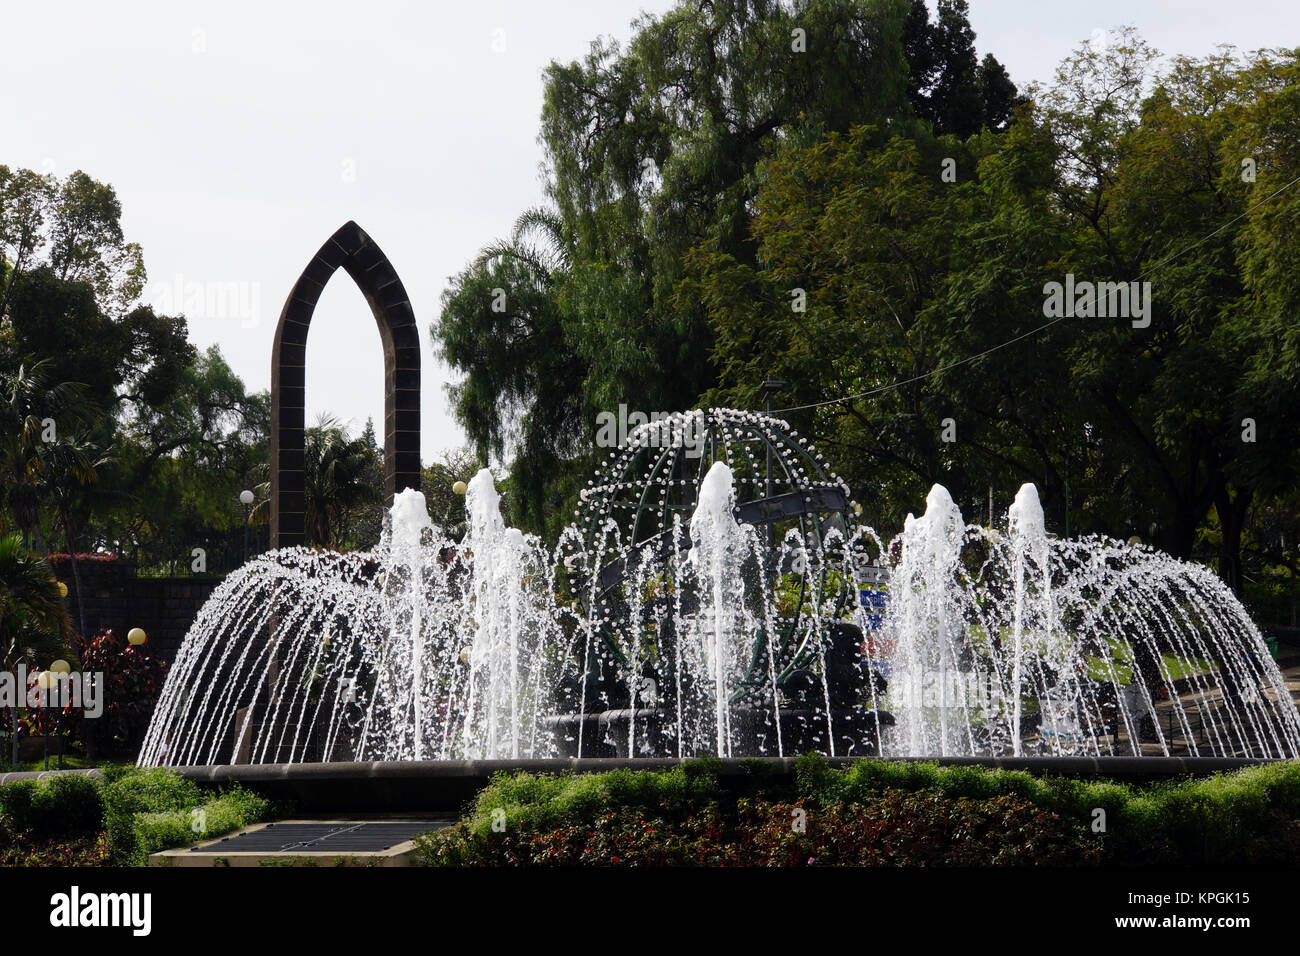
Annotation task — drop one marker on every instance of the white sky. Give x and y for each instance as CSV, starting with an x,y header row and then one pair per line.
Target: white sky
x,y
240,135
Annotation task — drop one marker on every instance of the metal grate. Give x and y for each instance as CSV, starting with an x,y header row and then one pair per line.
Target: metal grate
x,y
362,837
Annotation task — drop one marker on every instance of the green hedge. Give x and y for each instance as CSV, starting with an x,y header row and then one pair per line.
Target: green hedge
x,y
1248,816
154,809
165,829
140,811
876,812
63,806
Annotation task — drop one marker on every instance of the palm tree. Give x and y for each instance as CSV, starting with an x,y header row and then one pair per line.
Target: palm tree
x,y
551,255
339,476
33,623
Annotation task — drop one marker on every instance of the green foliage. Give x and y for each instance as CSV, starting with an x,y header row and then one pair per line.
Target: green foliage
x,y
536,801
651,149
875,813
343,479
119,817
165,829
64,806
956,93
143,791
72,227
152,809
154,439
702,174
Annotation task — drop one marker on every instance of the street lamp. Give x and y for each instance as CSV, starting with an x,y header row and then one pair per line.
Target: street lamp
x,y
246,499
60,669
51,682
136,636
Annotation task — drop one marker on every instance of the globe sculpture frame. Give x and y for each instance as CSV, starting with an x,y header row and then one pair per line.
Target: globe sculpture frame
x,y
634,541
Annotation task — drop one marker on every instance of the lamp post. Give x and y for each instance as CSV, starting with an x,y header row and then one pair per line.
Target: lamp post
x,y
60,669
44,681
246,499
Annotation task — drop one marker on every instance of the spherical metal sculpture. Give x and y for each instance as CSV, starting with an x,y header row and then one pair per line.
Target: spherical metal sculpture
x,y
630,549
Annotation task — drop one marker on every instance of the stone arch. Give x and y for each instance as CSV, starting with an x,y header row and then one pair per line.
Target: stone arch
x,y
370,269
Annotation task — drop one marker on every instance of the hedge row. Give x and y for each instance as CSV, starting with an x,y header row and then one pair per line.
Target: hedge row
x,y
120,817
875,812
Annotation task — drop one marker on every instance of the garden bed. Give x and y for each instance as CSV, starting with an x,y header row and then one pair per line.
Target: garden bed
x,y
875,813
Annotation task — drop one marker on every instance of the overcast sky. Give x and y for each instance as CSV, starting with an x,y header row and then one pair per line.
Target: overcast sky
x,y
240,135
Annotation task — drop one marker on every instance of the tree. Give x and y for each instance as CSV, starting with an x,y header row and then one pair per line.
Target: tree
x,y
956,99
183,433
922,64
437,482
179,465
918,285
339,480
1153,183
33,624
25,199
878,245
32,410
128,362
521,400
948,87
73,227
997,94
650,150
69,465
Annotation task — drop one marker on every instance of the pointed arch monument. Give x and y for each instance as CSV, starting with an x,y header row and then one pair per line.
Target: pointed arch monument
x,y
363,260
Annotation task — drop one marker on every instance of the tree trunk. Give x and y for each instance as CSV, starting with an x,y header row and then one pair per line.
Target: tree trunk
x,y
1232,520
76,583
1179,539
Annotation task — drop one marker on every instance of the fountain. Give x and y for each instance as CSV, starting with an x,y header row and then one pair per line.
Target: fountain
x,y
1006,644
425,648
716,595
711,568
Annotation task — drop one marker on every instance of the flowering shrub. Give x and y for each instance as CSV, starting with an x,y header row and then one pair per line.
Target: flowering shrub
x,y
132,681
81,850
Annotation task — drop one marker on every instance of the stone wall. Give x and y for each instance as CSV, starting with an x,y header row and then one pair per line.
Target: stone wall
x,y
114,596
